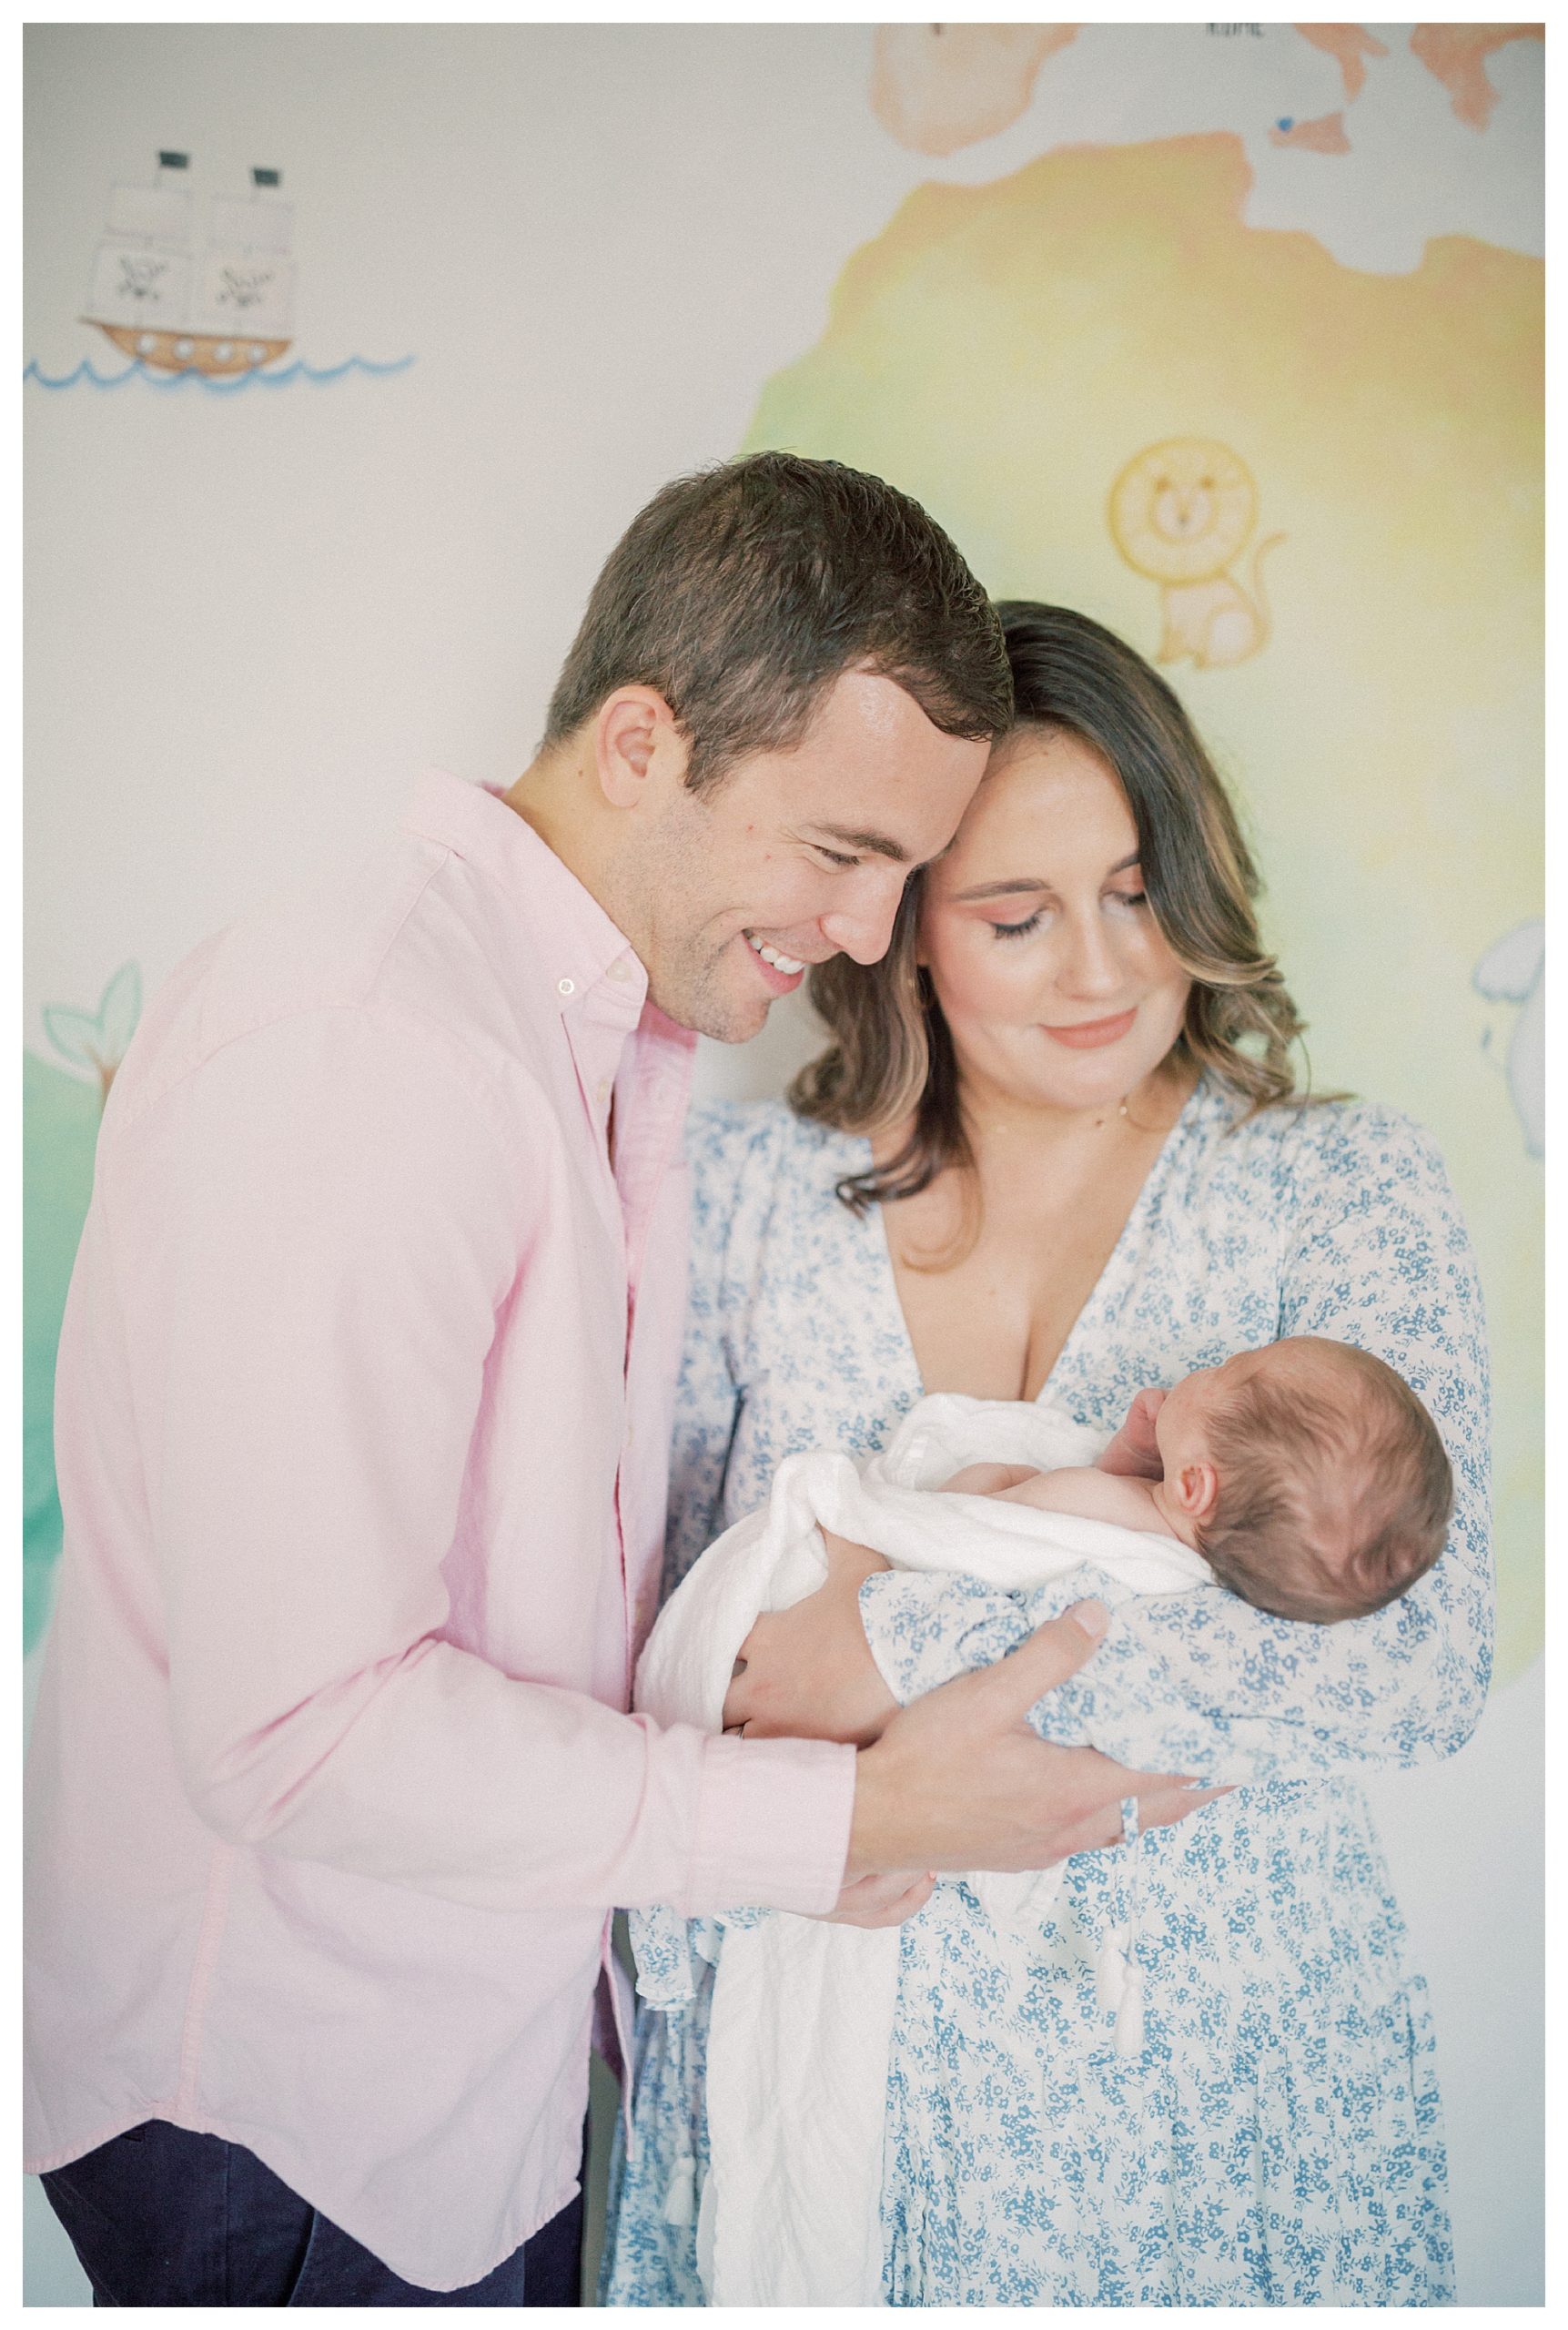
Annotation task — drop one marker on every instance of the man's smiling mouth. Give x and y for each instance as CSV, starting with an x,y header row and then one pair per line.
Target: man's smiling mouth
x,y
780,961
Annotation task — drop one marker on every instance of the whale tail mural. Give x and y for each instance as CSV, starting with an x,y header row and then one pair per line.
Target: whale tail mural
x,y
99,1040
1514,971
61,1109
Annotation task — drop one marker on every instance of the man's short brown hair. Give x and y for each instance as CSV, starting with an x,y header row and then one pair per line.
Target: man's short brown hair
x,y
743,592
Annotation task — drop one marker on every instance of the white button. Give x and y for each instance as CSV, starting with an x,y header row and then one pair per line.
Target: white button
x,y
618,970
566,986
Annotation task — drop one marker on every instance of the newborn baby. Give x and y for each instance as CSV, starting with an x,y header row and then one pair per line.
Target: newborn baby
x,y
1306,1477
1308,1474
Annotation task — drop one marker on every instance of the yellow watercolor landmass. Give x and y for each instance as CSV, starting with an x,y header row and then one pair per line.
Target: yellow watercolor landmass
x,y
1004,351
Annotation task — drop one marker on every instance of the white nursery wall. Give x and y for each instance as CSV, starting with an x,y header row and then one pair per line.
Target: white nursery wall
x,y
614,253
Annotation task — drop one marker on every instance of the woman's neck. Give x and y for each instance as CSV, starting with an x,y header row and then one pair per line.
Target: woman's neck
x,y
1000,1123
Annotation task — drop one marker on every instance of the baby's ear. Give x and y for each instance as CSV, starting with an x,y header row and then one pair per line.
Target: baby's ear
x,y
1198,1492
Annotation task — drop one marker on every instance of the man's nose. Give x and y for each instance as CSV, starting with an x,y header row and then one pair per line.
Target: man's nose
x,y
862,926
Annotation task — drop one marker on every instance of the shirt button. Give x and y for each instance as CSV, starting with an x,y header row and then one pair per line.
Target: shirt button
x,y
605,1087
618,970
566,986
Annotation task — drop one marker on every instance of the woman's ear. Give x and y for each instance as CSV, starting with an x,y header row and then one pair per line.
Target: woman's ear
x,y
635,739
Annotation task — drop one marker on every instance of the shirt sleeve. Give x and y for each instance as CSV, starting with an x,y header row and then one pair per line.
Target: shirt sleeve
x,y
1203,1683
309,1305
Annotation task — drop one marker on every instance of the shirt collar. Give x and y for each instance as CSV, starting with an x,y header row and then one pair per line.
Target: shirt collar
x,y
582,952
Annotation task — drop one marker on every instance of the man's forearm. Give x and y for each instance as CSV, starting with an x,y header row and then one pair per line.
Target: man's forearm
x,y
441,1774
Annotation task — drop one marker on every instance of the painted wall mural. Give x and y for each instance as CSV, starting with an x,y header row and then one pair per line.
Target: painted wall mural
x,y
196,288
1182,513
1098,376
1514,971
1304,480
937,88
60,1113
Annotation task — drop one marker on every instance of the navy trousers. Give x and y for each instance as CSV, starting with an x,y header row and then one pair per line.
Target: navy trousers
x,y
161,2217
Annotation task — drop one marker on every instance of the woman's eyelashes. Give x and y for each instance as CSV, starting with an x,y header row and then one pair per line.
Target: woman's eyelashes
x,y
1032,922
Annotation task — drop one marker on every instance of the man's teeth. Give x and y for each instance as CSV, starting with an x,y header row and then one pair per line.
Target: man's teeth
x,y
785,963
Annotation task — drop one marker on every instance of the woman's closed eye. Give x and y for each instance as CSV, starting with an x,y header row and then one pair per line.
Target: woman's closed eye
x,y
1121,899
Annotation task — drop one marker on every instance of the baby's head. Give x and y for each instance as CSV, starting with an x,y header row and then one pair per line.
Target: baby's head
x,y
1309,1476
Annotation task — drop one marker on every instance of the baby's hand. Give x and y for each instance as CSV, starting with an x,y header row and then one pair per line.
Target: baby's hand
x,y
1135,1451
987,1480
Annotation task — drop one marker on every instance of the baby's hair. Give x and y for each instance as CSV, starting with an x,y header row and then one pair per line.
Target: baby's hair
x,y
1335,1491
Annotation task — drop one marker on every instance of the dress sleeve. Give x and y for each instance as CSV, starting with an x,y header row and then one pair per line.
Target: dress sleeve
x,y
1203,1683
708,1391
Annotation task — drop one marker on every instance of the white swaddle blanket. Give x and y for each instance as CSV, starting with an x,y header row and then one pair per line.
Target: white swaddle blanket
x,y
803,2010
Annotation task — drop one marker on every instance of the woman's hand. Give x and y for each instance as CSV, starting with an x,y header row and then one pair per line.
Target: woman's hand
x,y
880,1900
807,1672
1135,1451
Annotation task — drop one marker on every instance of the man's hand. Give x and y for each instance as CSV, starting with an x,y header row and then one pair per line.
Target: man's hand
x,y
807,1672
958,1780
1135,1451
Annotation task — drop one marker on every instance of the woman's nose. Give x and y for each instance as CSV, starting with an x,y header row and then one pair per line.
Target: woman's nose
x,y
1088,966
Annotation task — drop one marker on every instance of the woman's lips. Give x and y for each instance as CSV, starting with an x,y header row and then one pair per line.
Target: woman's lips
x,y
1088,1035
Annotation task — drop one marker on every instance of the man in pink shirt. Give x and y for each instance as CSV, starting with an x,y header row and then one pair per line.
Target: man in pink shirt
x,y
363,1397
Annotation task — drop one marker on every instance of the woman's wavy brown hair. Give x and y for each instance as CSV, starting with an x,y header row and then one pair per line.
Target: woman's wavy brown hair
x,y
890,1058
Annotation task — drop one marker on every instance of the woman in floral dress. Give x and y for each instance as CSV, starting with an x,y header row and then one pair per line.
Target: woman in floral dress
x,y
1054,1152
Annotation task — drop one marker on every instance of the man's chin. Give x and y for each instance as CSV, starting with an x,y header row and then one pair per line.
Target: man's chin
x,y
725,1018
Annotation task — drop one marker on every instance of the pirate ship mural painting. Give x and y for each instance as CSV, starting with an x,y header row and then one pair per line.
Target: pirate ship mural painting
x,y
183,283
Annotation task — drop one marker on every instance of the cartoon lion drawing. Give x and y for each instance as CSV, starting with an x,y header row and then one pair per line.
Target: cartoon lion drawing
x,y
1182,513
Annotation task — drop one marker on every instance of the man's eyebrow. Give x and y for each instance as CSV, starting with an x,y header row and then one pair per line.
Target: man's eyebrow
x,y
1021,885
879,845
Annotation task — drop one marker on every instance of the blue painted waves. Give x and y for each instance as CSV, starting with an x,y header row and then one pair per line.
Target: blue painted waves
x,y
88,375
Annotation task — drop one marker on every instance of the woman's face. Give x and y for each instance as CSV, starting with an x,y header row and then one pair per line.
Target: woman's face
x,y
1056,985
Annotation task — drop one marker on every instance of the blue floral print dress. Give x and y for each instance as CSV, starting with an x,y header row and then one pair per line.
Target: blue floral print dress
x,y
1276,2138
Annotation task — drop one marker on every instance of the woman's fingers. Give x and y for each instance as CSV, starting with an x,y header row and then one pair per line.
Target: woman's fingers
x,y
1135,1449
1167,1805
739,1702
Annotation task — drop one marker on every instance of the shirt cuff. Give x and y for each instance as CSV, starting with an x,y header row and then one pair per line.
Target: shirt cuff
x,y
773,1825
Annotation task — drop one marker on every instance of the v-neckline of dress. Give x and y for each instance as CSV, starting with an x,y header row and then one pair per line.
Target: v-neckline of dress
x,y
875,1225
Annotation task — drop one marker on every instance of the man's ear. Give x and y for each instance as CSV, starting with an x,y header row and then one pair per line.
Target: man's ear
x,y
1198,1492
636,742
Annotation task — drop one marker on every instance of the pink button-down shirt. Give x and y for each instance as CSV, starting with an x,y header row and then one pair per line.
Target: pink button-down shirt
x,y
363,1398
